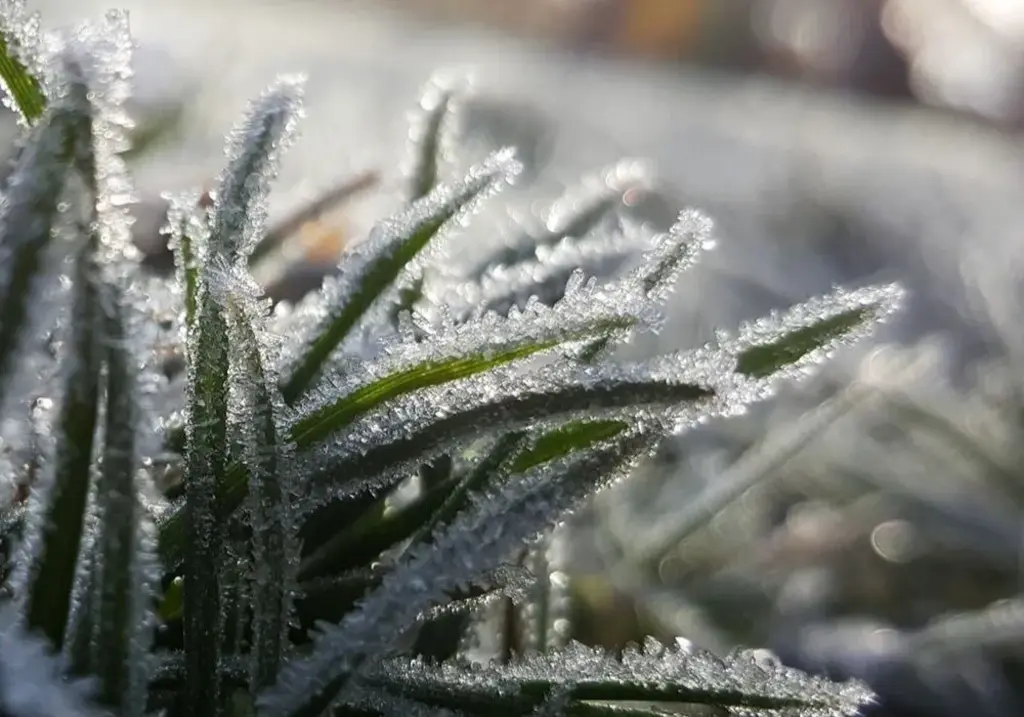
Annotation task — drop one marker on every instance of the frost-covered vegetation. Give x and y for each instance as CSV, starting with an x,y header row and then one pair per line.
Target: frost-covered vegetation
x,y
362,474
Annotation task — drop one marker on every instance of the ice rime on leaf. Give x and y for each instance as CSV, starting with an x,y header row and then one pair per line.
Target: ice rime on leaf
x,y
28,216
206,461
477,541
674,392
739,683
458,351
376,270
674,252
257,409
431,146
123,569
254,149
791,343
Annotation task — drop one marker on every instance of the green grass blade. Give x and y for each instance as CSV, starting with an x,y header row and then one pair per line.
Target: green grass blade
x,y
443,421
26,220
562,441
119,627
372,268
206,460
802,336
22,88
62,521
269,589
321,423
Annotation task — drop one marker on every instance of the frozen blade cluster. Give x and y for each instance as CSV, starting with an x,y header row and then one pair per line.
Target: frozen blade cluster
x,y
375,271
254,150
28,217
123,563
654,672
672,392
587,312
477,541
257,410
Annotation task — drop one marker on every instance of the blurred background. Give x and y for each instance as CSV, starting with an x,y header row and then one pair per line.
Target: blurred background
x,y
868,523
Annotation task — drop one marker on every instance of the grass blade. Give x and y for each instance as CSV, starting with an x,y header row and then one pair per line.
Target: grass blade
x,y
27,219
443,419
23,90
270,584
206,460
371,268
428,136
802,336
53,573
474,349
120,611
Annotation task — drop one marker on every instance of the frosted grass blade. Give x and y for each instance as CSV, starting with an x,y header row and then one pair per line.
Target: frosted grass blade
x,y
120,619
206,460
444,418
268,502
187,233
674,252
61,521
255,147
28,215
23,90
476,542
394,246
477,347
802,336
652,673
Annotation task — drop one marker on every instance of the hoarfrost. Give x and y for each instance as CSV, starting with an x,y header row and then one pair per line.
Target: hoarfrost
x,y
375,271
679,674
477,541
254,152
